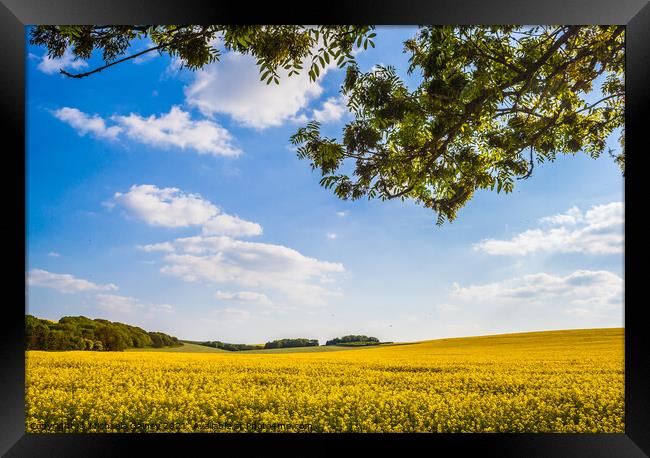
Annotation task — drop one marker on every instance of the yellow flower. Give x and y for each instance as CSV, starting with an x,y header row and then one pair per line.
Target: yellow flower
x,y
563,381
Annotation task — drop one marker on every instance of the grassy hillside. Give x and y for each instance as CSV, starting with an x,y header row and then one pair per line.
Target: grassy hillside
x,y
524,341
195,348
319,349
186,348
536,342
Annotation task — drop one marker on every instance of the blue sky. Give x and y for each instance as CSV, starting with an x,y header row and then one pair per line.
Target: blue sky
x,y
173,200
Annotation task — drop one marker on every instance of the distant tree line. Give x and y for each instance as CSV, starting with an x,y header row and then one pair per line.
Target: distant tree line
x,y
81,333
289,343
353,340
282,343
229,346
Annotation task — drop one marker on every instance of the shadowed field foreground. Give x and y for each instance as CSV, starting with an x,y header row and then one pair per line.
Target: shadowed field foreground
x,y
559,381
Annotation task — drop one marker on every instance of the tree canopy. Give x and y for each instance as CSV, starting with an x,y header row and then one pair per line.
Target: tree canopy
x,y
81,333
291,343
491,101
353,340
274,46
229,346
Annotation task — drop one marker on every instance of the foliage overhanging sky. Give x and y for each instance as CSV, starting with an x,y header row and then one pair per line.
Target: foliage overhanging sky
x,y
173,200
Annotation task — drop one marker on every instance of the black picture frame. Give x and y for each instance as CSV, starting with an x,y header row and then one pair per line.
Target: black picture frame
x,y
635,14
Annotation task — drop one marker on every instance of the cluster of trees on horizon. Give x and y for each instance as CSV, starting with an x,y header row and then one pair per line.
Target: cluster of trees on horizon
x,y
353,340
228,346
349,340
290,343
82,333
281,343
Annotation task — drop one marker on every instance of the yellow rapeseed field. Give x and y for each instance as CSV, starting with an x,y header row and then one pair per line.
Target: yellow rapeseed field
x,y
559,381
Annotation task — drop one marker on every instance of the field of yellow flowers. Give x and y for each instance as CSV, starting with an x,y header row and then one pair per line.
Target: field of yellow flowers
x,y
559,381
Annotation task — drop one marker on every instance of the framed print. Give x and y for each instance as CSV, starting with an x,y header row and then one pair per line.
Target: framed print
x,y
399,226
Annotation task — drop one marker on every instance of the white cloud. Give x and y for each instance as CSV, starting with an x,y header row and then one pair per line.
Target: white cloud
x,y
215,256
53,254
116,303
571,217
332,110
244,296
331,235
605,216
84,123
167,207
170,207
164,246
342,214
123,305
582,288
174,67
67,61
175,129
223,260
596,231
64,283
231,225
233,87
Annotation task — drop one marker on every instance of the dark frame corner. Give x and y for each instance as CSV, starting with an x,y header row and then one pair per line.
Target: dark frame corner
x,y
15,14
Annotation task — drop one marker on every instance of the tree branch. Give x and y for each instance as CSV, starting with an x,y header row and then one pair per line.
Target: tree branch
x,y
618,94
532,166
532,144
104,67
